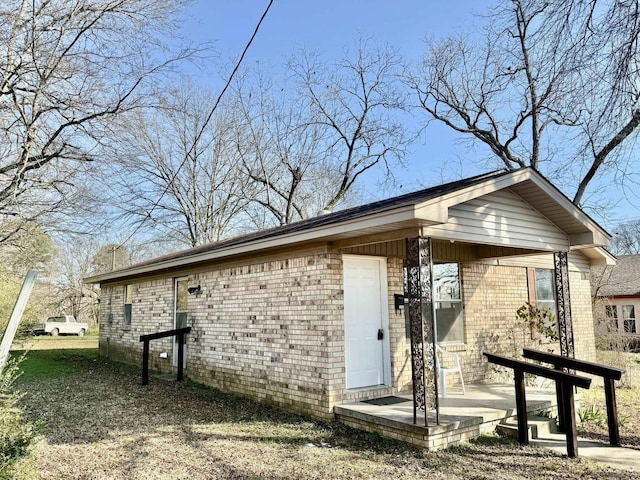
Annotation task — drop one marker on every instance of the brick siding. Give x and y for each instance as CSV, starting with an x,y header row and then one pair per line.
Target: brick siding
x,y
273,329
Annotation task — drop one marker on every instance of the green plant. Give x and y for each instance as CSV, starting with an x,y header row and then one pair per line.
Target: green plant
x,y
40,364
541,321
16,434
592,414
544,413
623,420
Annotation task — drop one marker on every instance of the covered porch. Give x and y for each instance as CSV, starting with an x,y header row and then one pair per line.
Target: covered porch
x,y
501,237
462,417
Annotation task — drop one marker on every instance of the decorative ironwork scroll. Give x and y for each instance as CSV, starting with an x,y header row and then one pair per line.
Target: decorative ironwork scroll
x,y
563,304
418,291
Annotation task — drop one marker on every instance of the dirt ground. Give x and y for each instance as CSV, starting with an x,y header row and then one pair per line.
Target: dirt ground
x,y
97,422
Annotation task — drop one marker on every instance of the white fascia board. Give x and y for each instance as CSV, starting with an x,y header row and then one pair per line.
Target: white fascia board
x,y
435,205
397,216
432,214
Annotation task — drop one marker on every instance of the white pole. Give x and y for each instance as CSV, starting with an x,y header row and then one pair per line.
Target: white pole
x,y
16,315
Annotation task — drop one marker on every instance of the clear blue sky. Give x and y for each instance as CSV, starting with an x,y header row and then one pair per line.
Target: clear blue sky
x,y
325,25
328,26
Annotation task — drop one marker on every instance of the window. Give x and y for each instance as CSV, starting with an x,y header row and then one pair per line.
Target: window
x,y
611,313
182,295
448,303
128,295
542,295
545,290
629,318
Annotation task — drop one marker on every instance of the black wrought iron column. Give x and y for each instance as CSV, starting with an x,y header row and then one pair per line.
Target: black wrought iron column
x,y
419,294
563,304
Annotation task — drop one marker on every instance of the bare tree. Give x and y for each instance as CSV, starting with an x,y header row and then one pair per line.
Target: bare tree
x,y
75,261
626,239
305,141
107,258
553,84
279,150
178,171
357,103
67,69
25,247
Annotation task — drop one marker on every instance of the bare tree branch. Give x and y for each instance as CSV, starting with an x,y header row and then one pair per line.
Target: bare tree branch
x,y
554,86
67,70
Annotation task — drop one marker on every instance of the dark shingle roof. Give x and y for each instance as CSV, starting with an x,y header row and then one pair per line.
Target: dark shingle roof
x,y
622,279
332,218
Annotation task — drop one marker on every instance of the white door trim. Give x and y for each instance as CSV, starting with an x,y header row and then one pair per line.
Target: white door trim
x,y
384,316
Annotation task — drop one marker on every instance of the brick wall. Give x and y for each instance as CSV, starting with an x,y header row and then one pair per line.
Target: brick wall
x,y
400,344
582,316
273,330
492,294
151,311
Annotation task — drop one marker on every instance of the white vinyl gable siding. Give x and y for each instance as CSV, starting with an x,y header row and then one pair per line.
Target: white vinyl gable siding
x,y
500,218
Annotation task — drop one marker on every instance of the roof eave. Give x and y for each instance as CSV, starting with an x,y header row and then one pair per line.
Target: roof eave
x,y
403,217
598,256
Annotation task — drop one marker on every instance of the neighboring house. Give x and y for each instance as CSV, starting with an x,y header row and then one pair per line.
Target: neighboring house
x,y
311,315
619,289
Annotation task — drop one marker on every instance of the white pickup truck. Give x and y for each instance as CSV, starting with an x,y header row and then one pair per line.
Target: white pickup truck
x,y
63,324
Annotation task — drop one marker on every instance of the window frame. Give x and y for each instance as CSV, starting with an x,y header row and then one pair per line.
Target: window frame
x,y
181,295
533,284
458,301
128,305
550,303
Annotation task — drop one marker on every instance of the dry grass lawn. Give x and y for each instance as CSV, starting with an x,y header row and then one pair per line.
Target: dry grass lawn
x,y
97,422
62,342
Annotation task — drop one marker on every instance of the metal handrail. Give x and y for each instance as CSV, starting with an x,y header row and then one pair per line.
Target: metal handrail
x,y
180,333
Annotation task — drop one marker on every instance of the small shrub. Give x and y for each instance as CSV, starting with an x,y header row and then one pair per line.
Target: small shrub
x,y
592,414
541,321
16,434
544,413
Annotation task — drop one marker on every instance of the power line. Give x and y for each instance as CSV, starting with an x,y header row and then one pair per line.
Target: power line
x,y
204,125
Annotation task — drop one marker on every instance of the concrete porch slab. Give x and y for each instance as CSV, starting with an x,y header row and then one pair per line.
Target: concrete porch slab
x,y
462,417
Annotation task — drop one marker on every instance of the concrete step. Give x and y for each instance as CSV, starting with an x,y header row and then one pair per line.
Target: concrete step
x,y
538,426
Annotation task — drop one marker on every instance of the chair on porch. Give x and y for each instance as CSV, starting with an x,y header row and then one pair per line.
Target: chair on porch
x,y
447,362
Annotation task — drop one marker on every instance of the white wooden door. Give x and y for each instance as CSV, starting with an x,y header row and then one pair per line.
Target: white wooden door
x,y
365,317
